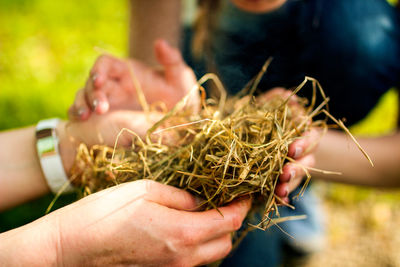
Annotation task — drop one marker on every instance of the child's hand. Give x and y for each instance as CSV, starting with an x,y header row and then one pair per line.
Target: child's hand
x,y
111,85
300,150
292,173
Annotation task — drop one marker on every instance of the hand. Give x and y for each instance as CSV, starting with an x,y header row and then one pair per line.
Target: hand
x,y
147,224
104,129
300,150
293,173
111,85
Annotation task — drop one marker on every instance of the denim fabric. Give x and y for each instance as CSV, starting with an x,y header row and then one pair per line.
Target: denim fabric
x,y
351,46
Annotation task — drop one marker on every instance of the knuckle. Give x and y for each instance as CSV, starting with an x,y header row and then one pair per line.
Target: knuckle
x,y
187,237
312,161
236,221
147,185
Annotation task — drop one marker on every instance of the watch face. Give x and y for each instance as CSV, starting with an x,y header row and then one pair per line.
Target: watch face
x,y
44,133
46,143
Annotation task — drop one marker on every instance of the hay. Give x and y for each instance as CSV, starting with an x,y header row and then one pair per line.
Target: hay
x,y
230,149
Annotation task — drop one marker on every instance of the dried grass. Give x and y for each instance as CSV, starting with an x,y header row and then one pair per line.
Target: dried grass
x,y
232,148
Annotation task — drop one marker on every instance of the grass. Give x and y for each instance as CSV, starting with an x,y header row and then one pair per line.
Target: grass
x,y
47,50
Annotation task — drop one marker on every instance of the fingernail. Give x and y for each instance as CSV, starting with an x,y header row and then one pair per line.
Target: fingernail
x,y
297,152
81,111
95,103
286,192
292,174
94,77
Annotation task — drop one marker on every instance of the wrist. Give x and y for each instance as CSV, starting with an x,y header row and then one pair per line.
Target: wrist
x,y
66,146
53,163
32,244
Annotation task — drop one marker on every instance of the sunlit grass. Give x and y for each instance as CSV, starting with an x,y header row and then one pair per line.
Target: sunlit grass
x,y
47,50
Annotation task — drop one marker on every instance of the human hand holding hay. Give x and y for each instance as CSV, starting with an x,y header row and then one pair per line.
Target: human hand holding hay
x,y
221,155
119,84
301,150
141,223
105,130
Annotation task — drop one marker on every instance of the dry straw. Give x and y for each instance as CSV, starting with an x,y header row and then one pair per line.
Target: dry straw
x,y
232,148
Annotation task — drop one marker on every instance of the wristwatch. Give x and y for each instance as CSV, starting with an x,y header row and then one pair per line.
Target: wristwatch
x,y
49,156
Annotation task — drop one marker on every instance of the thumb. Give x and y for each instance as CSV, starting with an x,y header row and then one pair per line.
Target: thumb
x,y
170,58
169,196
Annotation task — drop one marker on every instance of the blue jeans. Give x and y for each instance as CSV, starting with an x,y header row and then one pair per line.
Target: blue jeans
x,y
351,46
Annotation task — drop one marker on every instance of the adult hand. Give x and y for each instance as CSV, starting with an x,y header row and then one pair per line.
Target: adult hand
x,y
144,223
112,84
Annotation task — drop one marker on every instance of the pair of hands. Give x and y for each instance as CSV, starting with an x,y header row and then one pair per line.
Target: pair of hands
x,y
111,88
144,222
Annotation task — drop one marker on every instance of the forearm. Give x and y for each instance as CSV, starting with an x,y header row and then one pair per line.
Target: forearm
x,y
151,20
31,245
21,177
337,152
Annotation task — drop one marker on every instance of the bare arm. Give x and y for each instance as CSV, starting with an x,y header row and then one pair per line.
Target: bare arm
x,y
151,20
21,177
336,152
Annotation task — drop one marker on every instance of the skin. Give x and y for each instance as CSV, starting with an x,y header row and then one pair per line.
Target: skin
x,y
138,223
258,6
114,89
335,152
114,227
20,166
111,85
355,169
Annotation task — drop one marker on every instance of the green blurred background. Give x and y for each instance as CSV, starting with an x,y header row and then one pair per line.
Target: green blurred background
x,y
46,50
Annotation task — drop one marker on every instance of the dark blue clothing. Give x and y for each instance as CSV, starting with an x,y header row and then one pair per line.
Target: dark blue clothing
x,y
351,46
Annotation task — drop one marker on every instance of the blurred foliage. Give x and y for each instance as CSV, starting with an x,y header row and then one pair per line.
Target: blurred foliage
x,y
46,51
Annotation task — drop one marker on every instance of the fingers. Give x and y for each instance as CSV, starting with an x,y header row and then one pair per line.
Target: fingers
x,y
167,55
292,175
104,76
170,58
168,196
79,109
301,164
213,250
97,99
215,225
277,91
282,190
104,68
305,145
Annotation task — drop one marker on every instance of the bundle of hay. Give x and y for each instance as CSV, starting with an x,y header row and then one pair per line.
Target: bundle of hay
x,y
228,150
